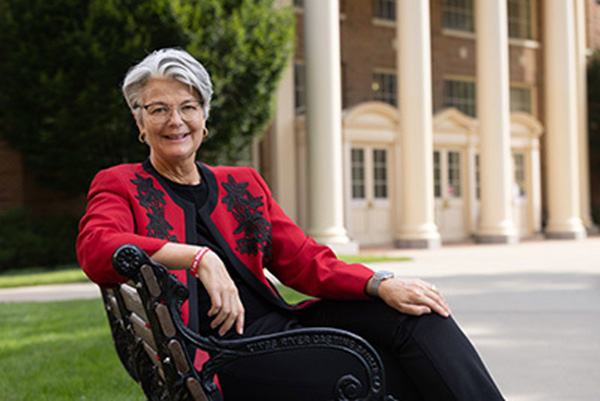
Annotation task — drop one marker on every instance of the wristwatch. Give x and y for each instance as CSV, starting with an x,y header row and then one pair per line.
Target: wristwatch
x,y
376,280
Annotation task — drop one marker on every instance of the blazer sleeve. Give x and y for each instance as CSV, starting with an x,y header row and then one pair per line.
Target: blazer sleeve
x,y
107,224
299,262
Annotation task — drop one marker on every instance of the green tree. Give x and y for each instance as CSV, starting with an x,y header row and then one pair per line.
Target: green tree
x,y
245,45
62,62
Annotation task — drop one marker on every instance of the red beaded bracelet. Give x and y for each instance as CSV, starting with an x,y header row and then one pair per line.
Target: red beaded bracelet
x,y
196,263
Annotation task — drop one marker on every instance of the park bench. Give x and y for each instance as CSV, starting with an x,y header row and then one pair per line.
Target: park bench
x,y
158,350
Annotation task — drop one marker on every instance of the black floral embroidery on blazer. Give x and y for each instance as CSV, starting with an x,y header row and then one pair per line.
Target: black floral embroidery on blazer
x,y
153,200
255,228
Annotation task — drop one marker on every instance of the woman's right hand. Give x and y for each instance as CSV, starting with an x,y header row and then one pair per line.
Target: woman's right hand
x,y
226,305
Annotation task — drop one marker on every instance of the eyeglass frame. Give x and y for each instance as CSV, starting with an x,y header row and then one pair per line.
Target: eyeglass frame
x,y
170,110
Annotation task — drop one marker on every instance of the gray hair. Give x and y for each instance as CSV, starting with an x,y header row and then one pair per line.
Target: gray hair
x,y
175,64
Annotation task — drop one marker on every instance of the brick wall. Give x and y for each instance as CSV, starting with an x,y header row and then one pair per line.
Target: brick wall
x,y
368,44
593,24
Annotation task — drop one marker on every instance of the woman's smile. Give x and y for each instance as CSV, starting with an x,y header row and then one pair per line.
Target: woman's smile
x,y
177,137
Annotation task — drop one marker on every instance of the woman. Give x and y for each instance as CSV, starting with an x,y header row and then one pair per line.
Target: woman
x,y
217,227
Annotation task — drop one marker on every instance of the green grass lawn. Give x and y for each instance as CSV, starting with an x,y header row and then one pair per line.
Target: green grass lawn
x,y
63,351
60,351
38,276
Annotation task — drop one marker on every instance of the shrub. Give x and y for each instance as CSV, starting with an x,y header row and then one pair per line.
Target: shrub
x,y
36,240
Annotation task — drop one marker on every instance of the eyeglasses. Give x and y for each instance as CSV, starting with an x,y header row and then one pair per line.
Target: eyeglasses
x,y
159,112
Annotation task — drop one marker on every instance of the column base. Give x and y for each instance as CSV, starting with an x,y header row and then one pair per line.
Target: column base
x,y
566,229
496,239
426,243
567,235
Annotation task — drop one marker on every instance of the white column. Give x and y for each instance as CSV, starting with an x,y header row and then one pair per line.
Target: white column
x,y
324,125
283,150
418,229
561,121
582,117
496,223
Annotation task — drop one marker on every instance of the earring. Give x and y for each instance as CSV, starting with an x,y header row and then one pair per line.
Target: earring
x,y
205,132
142,138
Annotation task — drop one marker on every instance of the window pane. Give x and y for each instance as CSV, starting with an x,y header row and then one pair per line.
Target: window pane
x,y
380,173
437,175
461,94
384,88
458,14
520,178
519,19
358,173
384,9
454,184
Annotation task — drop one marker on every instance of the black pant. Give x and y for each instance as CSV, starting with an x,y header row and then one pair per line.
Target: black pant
x,y
426,357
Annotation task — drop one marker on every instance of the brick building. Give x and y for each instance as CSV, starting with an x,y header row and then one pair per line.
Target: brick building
x,y
500,166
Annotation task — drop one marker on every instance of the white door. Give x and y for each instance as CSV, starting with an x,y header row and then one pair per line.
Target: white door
x,y
449,194
370,204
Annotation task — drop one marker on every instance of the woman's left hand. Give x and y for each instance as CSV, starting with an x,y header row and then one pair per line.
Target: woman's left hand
x,y
413,297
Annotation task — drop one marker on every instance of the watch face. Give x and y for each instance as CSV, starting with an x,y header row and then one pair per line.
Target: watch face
x,y
384,274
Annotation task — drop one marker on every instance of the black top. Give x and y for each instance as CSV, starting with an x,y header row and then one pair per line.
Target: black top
x,y
261,316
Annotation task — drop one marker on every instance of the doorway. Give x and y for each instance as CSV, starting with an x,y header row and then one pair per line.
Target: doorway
x,y
449,194
370,194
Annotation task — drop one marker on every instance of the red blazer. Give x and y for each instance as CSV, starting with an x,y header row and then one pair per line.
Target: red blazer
x,y
130,203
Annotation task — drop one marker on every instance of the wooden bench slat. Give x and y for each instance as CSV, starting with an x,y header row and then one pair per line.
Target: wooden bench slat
x,y
165,320
132,300
142,330
113,305
150,280
195,389
178,356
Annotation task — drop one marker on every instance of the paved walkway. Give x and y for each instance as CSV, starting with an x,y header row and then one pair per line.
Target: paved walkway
x,y
532,310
